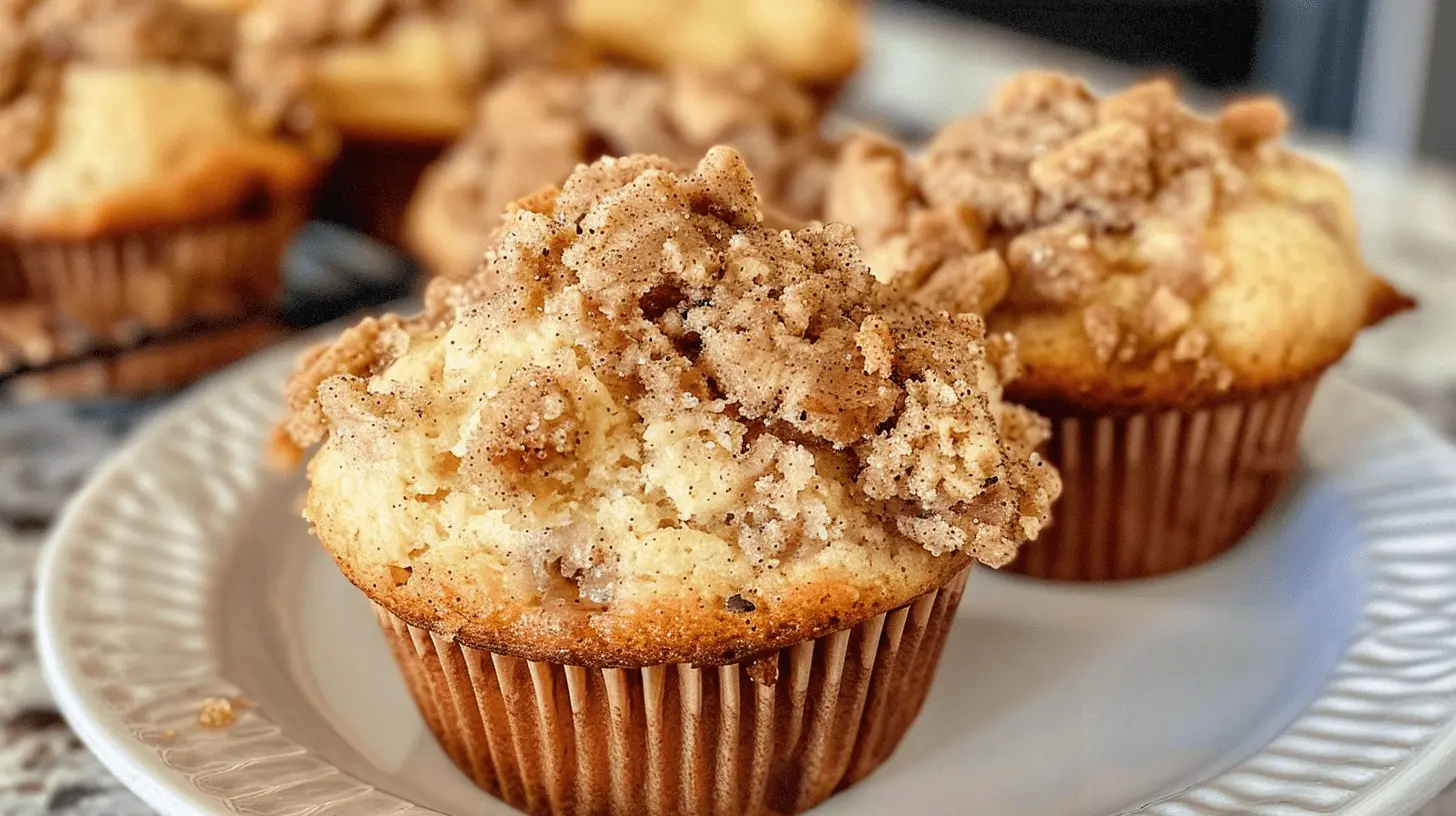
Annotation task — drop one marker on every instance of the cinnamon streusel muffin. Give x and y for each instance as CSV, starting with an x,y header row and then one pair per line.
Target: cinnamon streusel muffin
x,y
1176,285
694,491
399,78
813,42
535,127
139,188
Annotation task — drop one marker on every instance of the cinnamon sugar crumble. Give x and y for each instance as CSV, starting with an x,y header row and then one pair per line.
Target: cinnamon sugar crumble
x,y
1094,205
752,385
536,126
360,351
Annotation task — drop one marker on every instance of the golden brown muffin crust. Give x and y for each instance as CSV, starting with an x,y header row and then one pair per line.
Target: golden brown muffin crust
x,y
652,430
1143,255
535,127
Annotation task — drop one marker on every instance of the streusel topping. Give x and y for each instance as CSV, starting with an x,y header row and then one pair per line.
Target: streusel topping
x,y
641,360
536,126
1054,201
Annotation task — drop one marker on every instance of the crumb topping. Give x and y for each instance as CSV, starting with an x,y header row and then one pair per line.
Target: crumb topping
x,y
640,340
535,127
1098,206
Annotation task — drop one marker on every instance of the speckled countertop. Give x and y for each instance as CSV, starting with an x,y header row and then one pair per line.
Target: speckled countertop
x,y
1408,217
44,455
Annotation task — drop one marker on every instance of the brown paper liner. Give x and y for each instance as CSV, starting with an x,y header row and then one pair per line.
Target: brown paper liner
x,y
1152,493
152,369
775,735
118,288
369,186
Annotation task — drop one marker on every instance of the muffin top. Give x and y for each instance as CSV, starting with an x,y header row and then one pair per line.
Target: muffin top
x,y
535,127
816,42
119,114
653,430
1142,255
405,69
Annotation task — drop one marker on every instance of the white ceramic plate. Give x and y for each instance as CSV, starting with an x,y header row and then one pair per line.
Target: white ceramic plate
x,y
1311,671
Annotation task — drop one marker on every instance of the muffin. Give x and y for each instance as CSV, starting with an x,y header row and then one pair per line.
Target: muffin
x,y
140,188
399,79
1176,286
534,128
816,43
663,510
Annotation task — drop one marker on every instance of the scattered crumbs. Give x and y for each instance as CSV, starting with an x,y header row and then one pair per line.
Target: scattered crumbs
x,y
764,671
219,712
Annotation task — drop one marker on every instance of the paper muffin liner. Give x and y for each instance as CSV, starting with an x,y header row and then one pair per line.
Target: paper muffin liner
x,y
369,187
119,288
1152,493
163,366
774,735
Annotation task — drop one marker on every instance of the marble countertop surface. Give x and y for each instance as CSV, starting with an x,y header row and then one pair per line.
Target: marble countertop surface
x,y
920,70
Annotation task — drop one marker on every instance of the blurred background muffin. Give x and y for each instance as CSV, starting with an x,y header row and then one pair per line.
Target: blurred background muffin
x,y
398,78
1176,286
816,43
140,188
534,128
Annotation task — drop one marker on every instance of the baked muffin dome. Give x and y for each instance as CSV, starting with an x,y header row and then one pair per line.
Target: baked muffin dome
x,y
122,114
395,69
652,430
535,127
1142,255
814,42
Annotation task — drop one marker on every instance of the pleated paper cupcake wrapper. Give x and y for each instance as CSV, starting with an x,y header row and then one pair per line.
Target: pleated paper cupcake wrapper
x,y
775,735
1152,493
117,288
